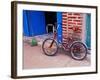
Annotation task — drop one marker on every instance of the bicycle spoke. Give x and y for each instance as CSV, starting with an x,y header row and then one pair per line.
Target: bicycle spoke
x,y
49,47
78,50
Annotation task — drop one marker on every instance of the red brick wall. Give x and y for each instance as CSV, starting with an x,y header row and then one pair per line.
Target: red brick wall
x,y
72,22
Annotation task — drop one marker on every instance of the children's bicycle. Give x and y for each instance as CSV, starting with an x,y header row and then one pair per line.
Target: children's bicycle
x,y
73,45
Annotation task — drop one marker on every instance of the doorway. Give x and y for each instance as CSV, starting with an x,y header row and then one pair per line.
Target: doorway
x,y
50,20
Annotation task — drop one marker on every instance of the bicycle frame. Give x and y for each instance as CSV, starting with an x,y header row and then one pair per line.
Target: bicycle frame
x,y
72,45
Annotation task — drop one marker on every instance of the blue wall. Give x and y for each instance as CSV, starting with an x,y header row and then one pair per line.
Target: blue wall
x,y
33,23
59,30
26,31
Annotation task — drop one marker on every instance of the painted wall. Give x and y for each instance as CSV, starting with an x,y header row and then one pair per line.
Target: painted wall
x,y
88,31
59,27
33,23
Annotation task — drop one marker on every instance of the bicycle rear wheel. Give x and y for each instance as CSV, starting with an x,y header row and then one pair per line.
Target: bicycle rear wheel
x,y
78,50
50,47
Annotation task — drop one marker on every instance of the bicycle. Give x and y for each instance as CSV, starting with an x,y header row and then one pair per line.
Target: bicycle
x,y
77,48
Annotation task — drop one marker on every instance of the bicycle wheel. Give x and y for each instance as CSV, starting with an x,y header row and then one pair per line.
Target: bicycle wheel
x,y
78,50
50,47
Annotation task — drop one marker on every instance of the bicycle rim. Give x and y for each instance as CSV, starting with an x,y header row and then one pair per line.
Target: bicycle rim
x,y
78,51
50,51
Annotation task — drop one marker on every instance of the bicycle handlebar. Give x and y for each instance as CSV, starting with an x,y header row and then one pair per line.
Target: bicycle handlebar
x,y
55,26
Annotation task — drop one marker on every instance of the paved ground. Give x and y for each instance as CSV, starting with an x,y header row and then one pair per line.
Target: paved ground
x,y
39,38
35,58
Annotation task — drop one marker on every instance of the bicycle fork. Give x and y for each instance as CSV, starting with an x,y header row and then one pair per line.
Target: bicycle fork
x,y
53,40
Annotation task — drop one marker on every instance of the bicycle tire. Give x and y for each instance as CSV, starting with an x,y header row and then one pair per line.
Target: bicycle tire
x,y
44,51
75,55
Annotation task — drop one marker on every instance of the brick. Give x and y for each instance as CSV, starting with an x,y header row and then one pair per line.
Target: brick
x,y
72,23
64,21
64,18
77,20
70,27
63,24
64,39
79,32
72,17
70,31
64,15
79,26
77,14
70,13
64,32
64,36
80,17
64,29
64,42
79,23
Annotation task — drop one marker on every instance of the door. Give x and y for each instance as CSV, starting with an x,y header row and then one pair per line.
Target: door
x,y
33,23
50,19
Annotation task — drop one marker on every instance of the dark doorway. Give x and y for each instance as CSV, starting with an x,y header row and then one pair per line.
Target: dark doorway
x,y
50,18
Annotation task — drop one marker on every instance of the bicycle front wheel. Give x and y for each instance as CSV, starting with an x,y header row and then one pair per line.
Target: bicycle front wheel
x,y
78,50
50,47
